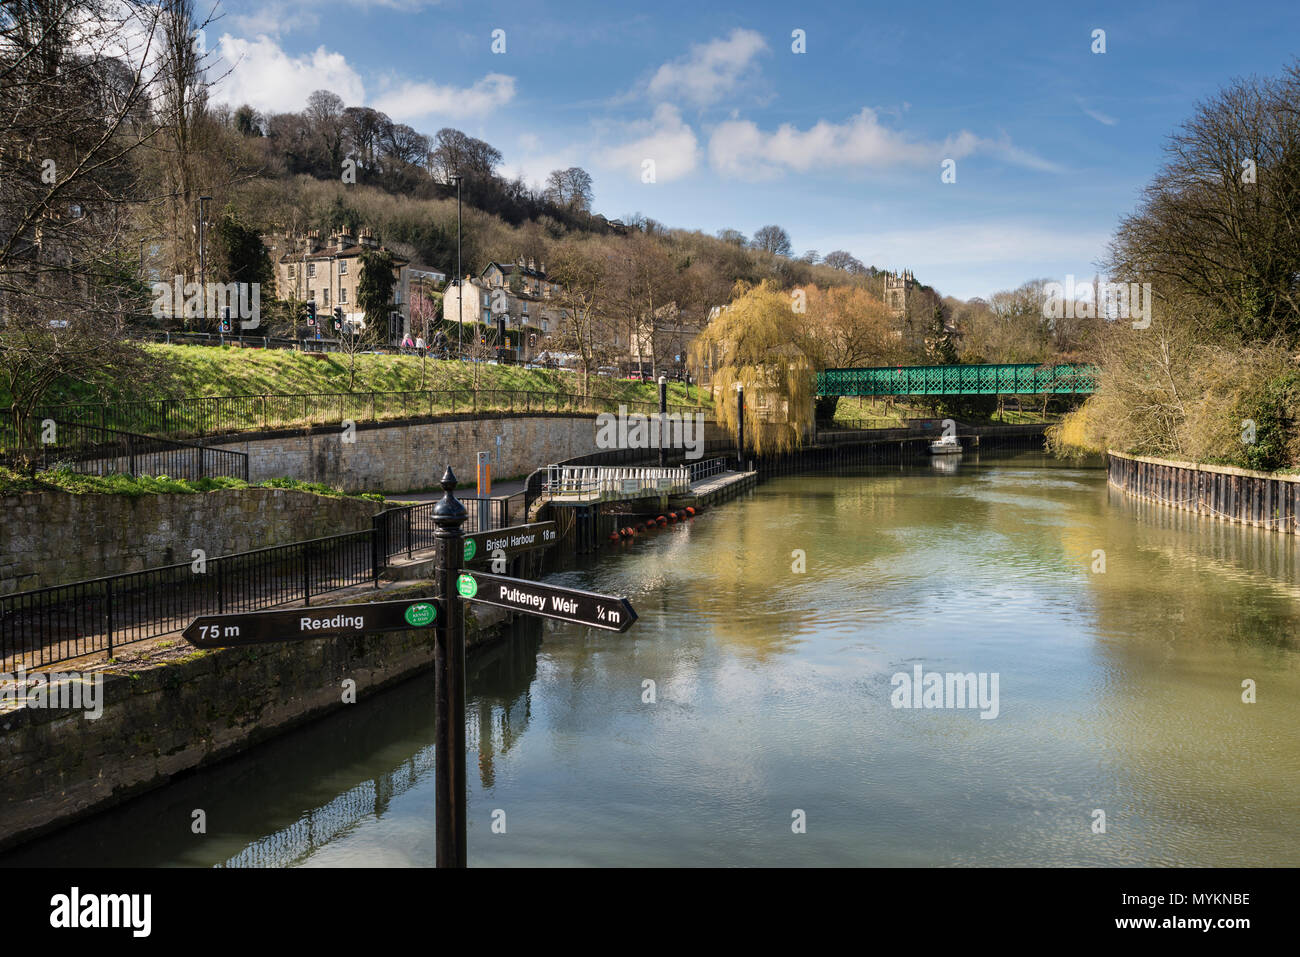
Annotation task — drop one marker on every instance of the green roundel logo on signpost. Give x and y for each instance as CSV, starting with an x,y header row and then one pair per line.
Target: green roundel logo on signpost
x,y
467,586
421,614
470,548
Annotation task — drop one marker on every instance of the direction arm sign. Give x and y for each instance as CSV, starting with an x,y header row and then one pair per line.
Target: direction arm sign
x,y
514,540
322,621
549,601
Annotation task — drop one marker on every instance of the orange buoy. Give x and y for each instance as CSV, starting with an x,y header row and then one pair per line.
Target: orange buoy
x,y
690,510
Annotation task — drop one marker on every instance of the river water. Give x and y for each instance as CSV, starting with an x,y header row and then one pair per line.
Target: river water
x,y
1120,635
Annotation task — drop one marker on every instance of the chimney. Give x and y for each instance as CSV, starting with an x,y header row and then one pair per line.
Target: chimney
x,y
531,264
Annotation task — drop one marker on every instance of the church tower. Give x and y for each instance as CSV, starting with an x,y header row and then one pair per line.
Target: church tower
x,y
898,290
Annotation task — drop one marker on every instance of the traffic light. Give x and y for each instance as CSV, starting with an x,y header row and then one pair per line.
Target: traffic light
x,y
311,312
482,340
532,340
225,319
338,318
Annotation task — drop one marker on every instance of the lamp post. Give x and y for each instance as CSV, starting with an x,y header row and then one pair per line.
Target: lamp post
x,y
740,424
663,420
203,271
460,282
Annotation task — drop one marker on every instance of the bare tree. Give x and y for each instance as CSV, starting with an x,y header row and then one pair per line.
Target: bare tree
x,y
570,188
772,239
583,299
840,259
74,82
1221,220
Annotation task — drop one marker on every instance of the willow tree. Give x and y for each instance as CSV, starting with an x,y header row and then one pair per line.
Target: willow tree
x,y
760,341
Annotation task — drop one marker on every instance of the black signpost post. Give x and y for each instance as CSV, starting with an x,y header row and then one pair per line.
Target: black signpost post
x,y
447,617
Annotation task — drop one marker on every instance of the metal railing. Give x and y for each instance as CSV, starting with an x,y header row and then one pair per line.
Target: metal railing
x,y
46,625
65,621
584,480
223,415
95,450
702,470
410,528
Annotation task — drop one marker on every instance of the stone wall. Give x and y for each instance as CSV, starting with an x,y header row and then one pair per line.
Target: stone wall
x,y
50,538
175,715
399,458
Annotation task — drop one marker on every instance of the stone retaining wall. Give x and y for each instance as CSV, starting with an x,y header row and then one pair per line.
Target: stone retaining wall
x,y
51,538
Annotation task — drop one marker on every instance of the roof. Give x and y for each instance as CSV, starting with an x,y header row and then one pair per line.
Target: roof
x,y
508,268
348,252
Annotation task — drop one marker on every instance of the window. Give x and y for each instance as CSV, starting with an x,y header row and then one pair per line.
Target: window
x,y
326,292
343,267
487,316
343,294
293,271
311,270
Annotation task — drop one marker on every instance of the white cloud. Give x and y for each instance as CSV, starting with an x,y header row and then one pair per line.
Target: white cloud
x,y
534,166
1096,114
740,149
278,17
261,73
710,71
411,102
271,80
665,139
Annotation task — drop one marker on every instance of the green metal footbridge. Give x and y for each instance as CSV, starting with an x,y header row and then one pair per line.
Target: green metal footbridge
x,y
1024,379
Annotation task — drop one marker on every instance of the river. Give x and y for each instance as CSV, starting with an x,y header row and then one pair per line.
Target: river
x,y
1120,635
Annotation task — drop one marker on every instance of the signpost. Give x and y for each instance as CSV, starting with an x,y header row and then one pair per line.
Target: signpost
x,y
548,601
322,621
515,540
446,616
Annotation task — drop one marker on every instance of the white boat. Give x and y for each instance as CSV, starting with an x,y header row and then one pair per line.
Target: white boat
x,y
946,445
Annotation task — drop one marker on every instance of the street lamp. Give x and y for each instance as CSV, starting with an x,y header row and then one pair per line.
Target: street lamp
x,y
460,281
663,420
203,272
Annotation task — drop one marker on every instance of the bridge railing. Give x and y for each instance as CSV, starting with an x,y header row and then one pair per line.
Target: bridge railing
x,y
619,482
1007,379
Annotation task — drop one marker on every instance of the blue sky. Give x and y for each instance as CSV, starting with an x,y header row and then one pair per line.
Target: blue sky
x,y
842,145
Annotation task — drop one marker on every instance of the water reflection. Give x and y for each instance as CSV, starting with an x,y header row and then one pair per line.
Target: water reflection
x,y
1121,633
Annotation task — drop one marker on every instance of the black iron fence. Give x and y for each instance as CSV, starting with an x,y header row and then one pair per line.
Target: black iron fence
x,y
96,450
410,528
222,415
48,625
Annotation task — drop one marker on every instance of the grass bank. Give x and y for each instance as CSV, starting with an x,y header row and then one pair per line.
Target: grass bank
x,y
187,371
